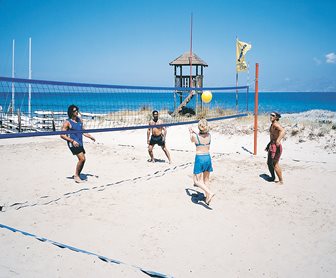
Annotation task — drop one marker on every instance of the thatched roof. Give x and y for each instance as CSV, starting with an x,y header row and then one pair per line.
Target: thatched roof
x,y
183,60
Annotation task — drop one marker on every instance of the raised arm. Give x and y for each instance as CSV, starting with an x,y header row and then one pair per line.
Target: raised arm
x,y
191,133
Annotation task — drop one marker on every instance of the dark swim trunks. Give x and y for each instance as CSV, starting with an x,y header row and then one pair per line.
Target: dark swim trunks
x,y
156,140
77,150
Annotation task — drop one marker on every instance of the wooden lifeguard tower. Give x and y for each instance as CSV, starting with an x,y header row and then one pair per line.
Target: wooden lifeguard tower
x,y
183,80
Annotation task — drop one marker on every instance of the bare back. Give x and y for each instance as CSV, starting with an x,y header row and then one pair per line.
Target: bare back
x,y
202,142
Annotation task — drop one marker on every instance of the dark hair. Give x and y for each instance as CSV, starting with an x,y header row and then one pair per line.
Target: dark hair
x,y
70,110
155,112
277,115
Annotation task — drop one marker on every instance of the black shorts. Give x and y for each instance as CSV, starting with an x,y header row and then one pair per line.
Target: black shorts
x,y
77,150
156,140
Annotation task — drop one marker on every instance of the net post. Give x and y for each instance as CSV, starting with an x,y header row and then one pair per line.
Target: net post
x,y
19,120
256,109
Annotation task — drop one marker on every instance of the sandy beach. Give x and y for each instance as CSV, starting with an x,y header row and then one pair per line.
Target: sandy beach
x,y
150,216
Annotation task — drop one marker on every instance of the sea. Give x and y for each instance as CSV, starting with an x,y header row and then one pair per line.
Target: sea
x,y
293,102
282,102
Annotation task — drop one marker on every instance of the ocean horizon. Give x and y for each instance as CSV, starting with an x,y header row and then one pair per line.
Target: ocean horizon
x,y
294,102
101,103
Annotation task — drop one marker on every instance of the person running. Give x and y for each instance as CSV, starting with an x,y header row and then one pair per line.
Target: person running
x,y
75,140
157,135
203,164
274,147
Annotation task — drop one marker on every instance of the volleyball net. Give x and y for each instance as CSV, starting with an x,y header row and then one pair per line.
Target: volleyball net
x,y
38,108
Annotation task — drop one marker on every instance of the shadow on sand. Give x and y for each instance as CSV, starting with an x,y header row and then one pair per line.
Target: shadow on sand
x,y
83,177
157,160
266,177
246,150
197,197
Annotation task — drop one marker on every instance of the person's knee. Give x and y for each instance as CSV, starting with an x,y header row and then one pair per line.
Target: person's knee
x,y
82,159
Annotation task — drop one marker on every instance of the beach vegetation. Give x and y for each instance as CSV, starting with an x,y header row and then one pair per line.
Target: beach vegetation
x,y
294,131
311,136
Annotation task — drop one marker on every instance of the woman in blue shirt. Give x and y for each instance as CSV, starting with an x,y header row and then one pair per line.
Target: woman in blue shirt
x,y
75,140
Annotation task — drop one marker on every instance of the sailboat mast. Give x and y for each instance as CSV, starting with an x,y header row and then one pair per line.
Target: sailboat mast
x,y
29,77
190,58
13,76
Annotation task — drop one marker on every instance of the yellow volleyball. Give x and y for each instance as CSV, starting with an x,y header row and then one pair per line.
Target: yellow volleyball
x,y
206,96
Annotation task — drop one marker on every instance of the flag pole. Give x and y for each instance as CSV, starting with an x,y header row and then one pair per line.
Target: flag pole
x,y
13,76
190,61
29,77
236,91
256,109
190,58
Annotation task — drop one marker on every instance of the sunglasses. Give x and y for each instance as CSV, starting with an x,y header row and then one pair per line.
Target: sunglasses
x,y
272,115
75,110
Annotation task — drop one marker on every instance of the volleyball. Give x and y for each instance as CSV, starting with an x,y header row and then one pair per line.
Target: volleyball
x,y
206,96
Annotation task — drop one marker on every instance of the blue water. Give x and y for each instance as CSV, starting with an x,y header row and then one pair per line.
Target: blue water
x,y
294,102
109,102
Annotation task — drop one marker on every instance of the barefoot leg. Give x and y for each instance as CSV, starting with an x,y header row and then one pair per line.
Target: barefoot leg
x,y
278,172
150,152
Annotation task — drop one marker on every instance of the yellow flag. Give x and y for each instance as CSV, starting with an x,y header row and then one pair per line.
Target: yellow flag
x,y
241,49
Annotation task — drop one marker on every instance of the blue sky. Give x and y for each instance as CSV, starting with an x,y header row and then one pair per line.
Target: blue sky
x,y
132,42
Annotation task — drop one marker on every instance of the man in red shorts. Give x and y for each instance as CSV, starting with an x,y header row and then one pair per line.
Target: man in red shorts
x,y
274,147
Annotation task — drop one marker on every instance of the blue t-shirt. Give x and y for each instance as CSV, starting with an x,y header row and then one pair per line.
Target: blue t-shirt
x,y
78,137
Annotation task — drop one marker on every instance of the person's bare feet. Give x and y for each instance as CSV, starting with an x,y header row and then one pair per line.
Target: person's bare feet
x,y
280,182
78,179
209,198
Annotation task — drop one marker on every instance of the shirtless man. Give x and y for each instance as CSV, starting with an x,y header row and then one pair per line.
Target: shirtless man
x,y
274,147
158,136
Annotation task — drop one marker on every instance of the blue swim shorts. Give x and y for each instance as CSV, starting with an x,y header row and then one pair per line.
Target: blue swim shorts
x,y
202,163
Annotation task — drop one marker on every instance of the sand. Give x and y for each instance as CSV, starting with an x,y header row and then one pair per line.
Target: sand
x,y
150,216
